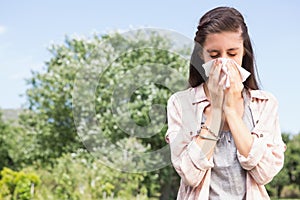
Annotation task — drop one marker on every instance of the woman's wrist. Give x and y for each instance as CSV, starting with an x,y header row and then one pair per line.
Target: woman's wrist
x,y
210,129
233,112
209,134
230,112
215,121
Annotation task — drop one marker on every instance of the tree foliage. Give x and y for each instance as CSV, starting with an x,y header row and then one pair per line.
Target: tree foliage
x,y
49,122
286,183
5,138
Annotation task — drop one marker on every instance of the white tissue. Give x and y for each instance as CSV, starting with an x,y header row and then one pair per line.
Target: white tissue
x,y
244,73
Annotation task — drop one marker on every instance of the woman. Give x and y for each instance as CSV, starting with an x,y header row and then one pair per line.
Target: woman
x,y
224,133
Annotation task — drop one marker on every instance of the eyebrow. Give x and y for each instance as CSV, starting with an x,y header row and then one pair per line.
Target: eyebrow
x,y
214,50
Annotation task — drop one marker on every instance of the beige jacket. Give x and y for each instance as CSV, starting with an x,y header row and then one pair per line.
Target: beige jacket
x,y
265,159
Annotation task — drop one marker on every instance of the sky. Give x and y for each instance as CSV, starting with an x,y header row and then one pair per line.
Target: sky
x,y
28,28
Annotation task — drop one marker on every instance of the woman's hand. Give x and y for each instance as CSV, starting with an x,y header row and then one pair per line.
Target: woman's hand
x,y
233,108
215,86
233,100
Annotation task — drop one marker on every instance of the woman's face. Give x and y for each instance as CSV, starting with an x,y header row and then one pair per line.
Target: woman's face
x,y
224,45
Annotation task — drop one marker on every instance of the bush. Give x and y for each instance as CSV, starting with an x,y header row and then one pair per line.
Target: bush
x,y
78,176
290,191
17,185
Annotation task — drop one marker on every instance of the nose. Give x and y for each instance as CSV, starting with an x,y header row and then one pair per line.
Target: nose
x,y
224,55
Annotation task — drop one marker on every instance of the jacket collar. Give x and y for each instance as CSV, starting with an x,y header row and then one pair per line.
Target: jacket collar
x,y
199,94
258,94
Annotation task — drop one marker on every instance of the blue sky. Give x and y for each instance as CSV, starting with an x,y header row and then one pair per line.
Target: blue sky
x,y
27,28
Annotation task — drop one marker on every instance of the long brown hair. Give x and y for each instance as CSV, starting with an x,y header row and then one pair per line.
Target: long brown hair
x,y
218,20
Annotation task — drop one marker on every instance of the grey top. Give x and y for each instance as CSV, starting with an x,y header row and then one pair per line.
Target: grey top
x,y
228,178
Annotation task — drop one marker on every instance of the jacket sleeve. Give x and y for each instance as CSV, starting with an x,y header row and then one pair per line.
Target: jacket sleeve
x,y
266,156
186,156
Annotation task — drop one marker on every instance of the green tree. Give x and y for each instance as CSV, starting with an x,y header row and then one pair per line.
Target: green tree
x,y
284,182
5,138
292,165
49,123
292,162
11,136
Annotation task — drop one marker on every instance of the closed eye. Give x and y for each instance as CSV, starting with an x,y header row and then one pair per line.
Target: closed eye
x,y
231,54
214,57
